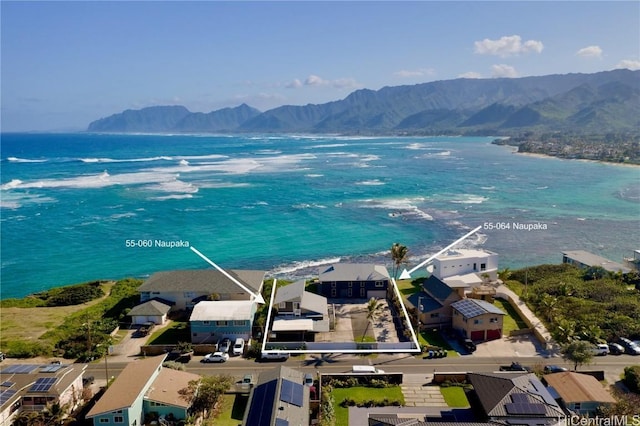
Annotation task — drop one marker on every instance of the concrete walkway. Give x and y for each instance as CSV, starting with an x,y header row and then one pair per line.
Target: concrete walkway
x,y
539,329
418,392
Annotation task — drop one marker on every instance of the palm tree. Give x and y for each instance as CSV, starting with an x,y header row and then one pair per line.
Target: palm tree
x,y
399,254
548,306
28,418
373,306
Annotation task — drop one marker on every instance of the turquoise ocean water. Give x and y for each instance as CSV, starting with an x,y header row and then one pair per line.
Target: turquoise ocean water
x,y
72,203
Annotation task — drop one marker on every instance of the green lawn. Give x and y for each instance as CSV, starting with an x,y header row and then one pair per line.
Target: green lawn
x,y
362,393
408,287
454,396
232,410
433,338
512,320
175,332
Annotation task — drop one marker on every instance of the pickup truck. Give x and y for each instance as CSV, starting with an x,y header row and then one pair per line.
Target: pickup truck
x,y
366,369
515,366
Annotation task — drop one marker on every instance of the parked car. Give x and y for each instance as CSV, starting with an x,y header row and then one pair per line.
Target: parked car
x,y
600,349
468,345
216,357
308,379
630,347
224,345
145,329
616,349
247,381
2,356
515,366
280,356
238,346
554,369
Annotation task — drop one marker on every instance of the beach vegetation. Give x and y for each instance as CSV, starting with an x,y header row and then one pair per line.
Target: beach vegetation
x,y
577,304
60,296
631,378
400,256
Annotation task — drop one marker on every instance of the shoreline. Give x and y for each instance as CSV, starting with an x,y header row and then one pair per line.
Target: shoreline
x,y
586,160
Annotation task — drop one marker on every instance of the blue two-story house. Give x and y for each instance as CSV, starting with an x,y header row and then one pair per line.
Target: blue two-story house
x,y
212,320
355,281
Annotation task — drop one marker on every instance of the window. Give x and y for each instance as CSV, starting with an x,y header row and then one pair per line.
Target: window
x,y
103,420
435,315
118,419
239,323
379,283
206,322
282,305
576,406
361,285
222,323
333,284
475,266
493,320
349,293
296,305
478,321
483,266
333,292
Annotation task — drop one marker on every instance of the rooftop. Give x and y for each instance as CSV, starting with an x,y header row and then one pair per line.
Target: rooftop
x,y
471,308
222,310
576,387
203,280
591,259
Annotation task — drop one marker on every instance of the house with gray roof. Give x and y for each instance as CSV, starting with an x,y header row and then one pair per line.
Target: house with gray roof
x,y
354,281
514,399
186,288
477,319
301,313
153,311
278,399
434,302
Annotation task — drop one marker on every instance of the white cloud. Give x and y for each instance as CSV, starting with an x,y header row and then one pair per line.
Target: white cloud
x,y
629,64
339,83
470,74
422,72
295,84
507,46
314,80
502,70
590,52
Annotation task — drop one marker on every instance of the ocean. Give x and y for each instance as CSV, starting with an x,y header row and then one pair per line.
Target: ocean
x,y
79,207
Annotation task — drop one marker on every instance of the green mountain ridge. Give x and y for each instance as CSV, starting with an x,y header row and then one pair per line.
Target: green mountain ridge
x,y
602,102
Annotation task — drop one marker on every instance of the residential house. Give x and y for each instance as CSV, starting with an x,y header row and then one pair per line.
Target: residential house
x,y
355,281
434,302
185,288
580,393
472,267
477,319
585,260
212,320
301,313
514,399
152,311
278,399
144,390
31,387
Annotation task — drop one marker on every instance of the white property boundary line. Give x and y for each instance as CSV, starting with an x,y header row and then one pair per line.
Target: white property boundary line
x,y
416,349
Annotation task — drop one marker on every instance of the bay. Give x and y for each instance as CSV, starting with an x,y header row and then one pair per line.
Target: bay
x,y
78,207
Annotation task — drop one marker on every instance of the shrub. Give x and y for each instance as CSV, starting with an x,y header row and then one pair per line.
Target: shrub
x,y
26,349
632,378
174,365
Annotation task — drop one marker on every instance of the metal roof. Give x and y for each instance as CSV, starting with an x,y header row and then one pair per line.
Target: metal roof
x,y
222,310
354,272
204,280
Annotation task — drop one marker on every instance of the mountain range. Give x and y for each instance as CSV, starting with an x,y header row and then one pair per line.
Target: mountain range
x,y
602,102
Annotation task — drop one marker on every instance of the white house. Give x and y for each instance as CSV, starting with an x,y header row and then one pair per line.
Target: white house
x,y
465,265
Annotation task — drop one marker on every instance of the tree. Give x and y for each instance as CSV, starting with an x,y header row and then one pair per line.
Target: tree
x,y
399,255
548,306
577,352
373,306
204,394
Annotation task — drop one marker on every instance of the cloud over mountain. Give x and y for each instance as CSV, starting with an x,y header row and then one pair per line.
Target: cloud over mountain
x,y
507,46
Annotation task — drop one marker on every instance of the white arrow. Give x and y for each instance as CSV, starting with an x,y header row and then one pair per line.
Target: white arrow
x,y
407,274
258,296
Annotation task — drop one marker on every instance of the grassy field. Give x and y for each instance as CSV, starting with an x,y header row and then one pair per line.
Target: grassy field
x,y
361,393
433,338
29,324
232,410
454,396
512,320
176,331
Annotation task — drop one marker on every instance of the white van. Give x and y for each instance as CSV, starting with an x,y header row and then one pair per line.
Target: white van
x,y
238,346
366,369
600,349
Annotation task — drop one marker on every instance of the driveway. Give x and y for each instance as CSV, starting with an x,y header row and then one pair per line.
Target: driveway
x,y
129,347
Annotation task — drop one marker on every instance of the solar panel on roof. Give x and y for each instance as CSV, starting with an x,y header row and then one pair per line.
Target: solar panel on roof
x,y
7,384
525,408
261,407
291,392
19,369
6,395
52,368
520,397
43,384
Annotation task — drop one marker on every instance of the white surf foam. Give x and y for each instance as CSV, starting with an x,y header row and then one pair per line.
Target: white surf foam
x,y
301,265
374,182
24,160
470,199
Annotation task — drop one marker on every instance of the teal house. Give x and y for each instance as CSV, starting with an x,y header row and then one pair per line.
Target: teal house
x,y
211,321
144,392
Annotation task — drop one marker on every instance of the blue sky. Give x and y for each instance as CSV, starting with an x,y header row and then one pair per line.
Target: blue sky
x,y
65,64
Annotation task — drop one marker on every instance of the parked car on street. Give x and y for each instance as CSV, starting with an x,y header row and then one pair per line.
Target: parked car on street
x,y
600,349
279,356
616,349
216,357
630,347
554,369
515,366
